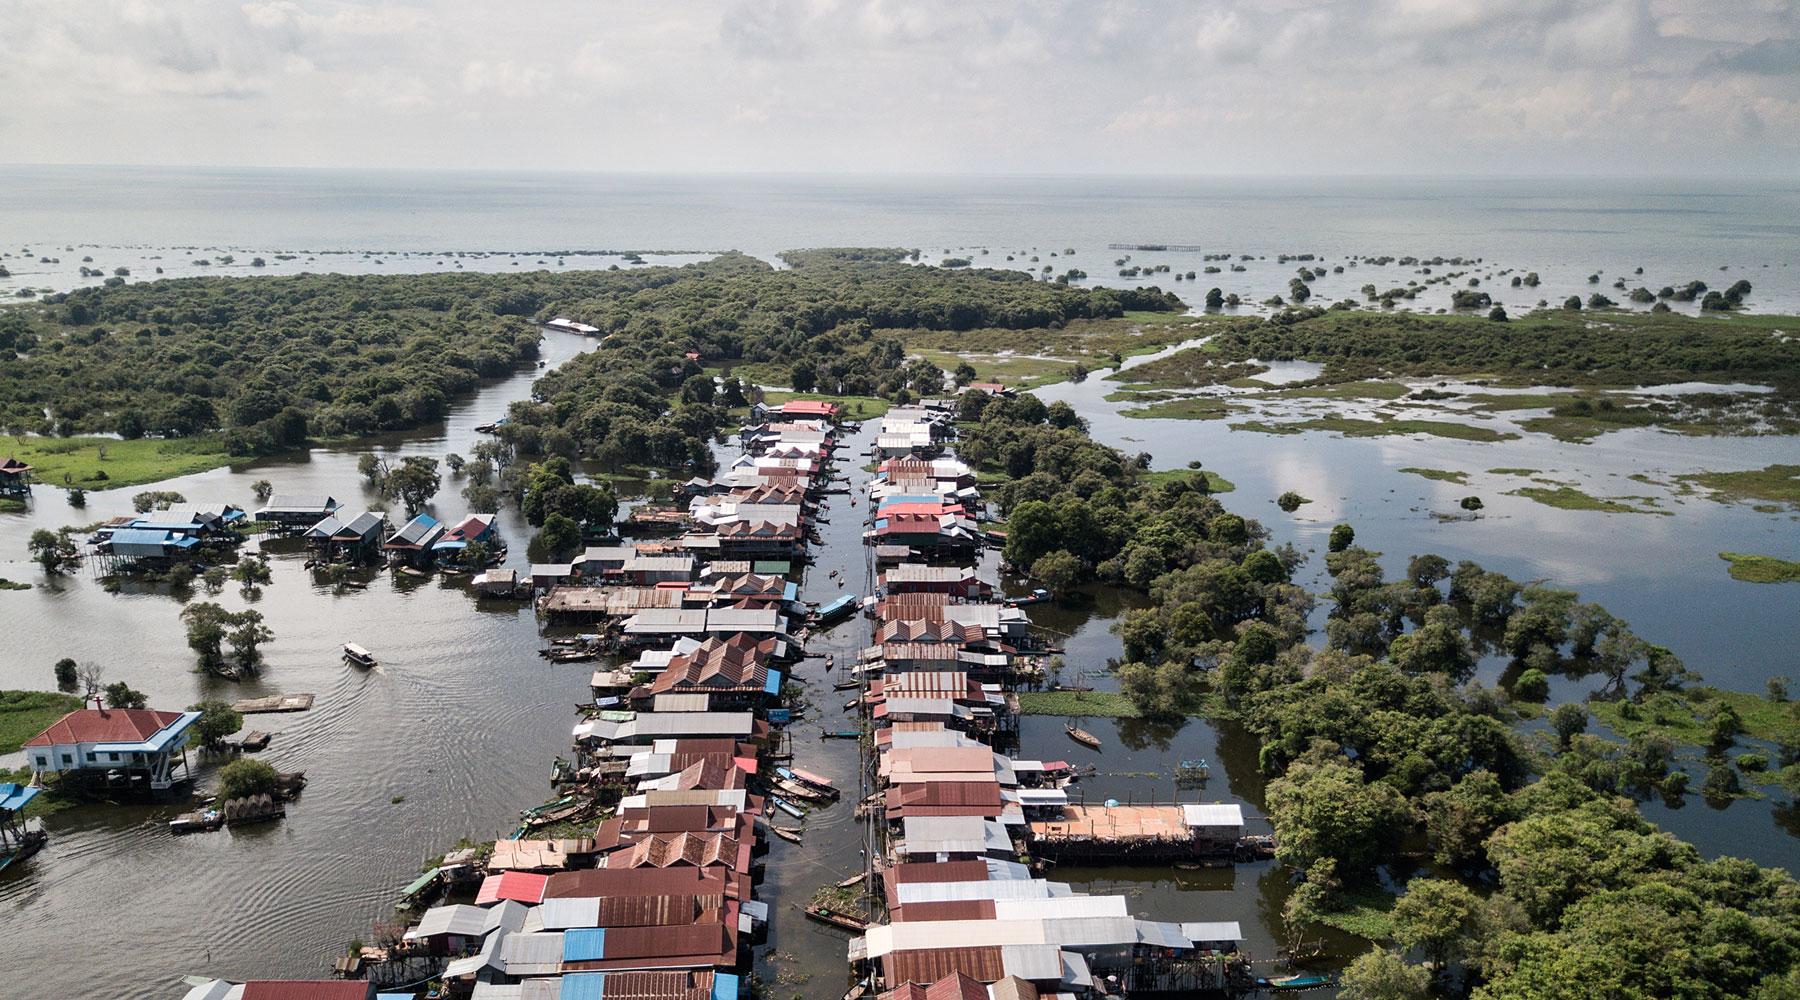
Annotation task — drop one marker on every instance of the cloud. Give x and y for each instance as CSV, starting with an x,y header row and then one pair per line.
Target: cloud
x,y
1769,57
1077,86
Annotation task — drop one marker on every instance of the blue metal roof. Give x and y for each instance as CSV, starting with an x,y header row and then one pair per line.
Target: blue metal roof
x,y
725,986
909,498
583,985
152,524
772,685
584,944
791,592
15,797
158,741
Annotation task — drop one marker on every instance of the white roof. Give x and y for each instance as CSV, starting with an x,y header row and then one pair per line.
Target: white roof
x,y
682,701
1212,930
1162,934
1213,814
941,892
538,954
1074,931
1037,962
562,914
1060,908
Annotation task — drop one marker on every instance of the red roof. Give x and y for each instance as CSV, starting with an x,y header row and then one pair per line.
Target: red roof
x,y
307,989
810,407
526,887
104,725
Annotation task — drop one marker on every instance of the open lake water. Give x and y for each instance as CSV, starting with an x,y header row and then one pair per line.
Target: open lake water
x,y
455,732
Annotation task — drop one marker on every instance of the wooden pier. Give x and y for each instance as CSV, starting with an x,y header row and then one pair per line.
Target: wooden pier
x,y
274,703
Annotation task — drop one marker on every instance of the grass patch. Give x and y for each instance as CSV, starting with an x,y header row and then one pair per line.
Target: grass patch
x,y
1030,358
1513,472
1354,427
1776,484
24,714
1761,569
1362,389
1188,369
1502,403
6,584
1440,475
1368,912
1570,498
1098,704
855,407
1215,483
126,463
1686,716
1191,408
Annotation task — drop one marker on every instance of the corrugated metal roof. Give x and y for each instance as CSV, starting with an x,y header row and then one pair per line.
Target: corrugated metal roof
x,y
539,954
1213,814
562,914
584,944
1161,934
931,964
1062,908
1212,930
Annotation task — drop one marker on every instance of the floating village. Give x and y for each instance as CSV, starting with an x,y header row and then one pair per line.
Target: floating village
x,y
639,878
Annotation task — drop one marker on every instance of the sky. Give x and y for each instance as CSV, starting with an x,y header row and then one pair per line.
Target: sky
x,y
1204,87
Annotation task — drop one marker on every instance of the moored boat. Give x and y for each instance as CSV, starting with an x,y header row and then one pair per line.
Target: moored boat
x,y
1082,736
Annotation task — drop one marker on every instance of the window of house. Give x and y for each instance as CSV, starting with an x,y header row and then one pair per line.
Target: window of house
x,y
68,759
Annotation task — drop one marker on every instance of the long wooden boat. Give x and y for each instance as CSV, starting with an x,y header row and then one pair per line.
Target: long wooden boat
x,y
827,915
787,833
1082,736
849,685
818,781
852,880
787,807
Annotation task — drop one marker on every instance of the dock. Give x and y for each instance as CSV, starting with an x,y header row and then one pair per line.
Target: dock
x,y
273,703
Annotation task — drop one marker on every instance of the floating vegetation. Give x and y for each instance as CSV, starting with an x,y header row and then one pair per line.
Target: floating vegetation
x,y
1356,427
1776,483
1441,475
1570,498
1761,569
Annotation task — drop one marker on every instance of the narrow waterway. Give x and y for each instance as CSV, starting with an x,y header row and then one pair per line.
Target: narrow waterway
x,y
451,736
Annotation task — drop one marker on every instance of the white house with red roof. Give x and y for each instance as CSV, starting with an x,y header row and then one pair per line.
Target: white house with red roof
x,y
138,744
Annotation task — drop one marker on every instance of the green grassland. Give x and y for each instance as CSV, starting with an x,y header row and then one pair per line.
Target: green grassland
x,y
1774,484
1686,716
105,463
1026,359
24,714
1357,427
1190,408
1440,475
1215,483
1570,498
1099,704
1761,569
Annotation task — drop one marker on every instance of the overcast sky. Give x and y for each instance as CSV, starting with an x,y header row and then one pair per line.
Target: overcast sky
x,y
1207,87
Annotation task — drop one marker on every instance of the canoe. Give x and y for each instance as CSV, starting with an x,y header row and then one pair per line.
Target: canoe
x,y
1295,982
786,833
1082,736
846,685
842,734
787,807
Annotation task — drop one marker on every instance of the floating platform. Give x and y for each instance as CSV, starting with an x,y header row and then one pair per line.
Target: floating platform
x,y
274,703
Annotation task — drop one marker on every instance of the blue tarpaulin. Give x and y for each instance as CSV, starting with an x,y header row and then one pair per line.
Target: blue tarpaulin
x,y
15,797
725,986
583,986
773,684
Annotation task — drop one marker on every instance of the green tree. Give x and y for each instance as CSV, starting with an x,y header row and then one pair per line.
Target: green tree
x,y
1532,685
804,376
559,536
66,675
206,625
1380,974
1058,570
252,571
1324,809
1342,536
217,721
122,695
1436,916
55,551
414,483
1310,901
1567,720
1459,821
263,490
245,777
373,470
247,634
